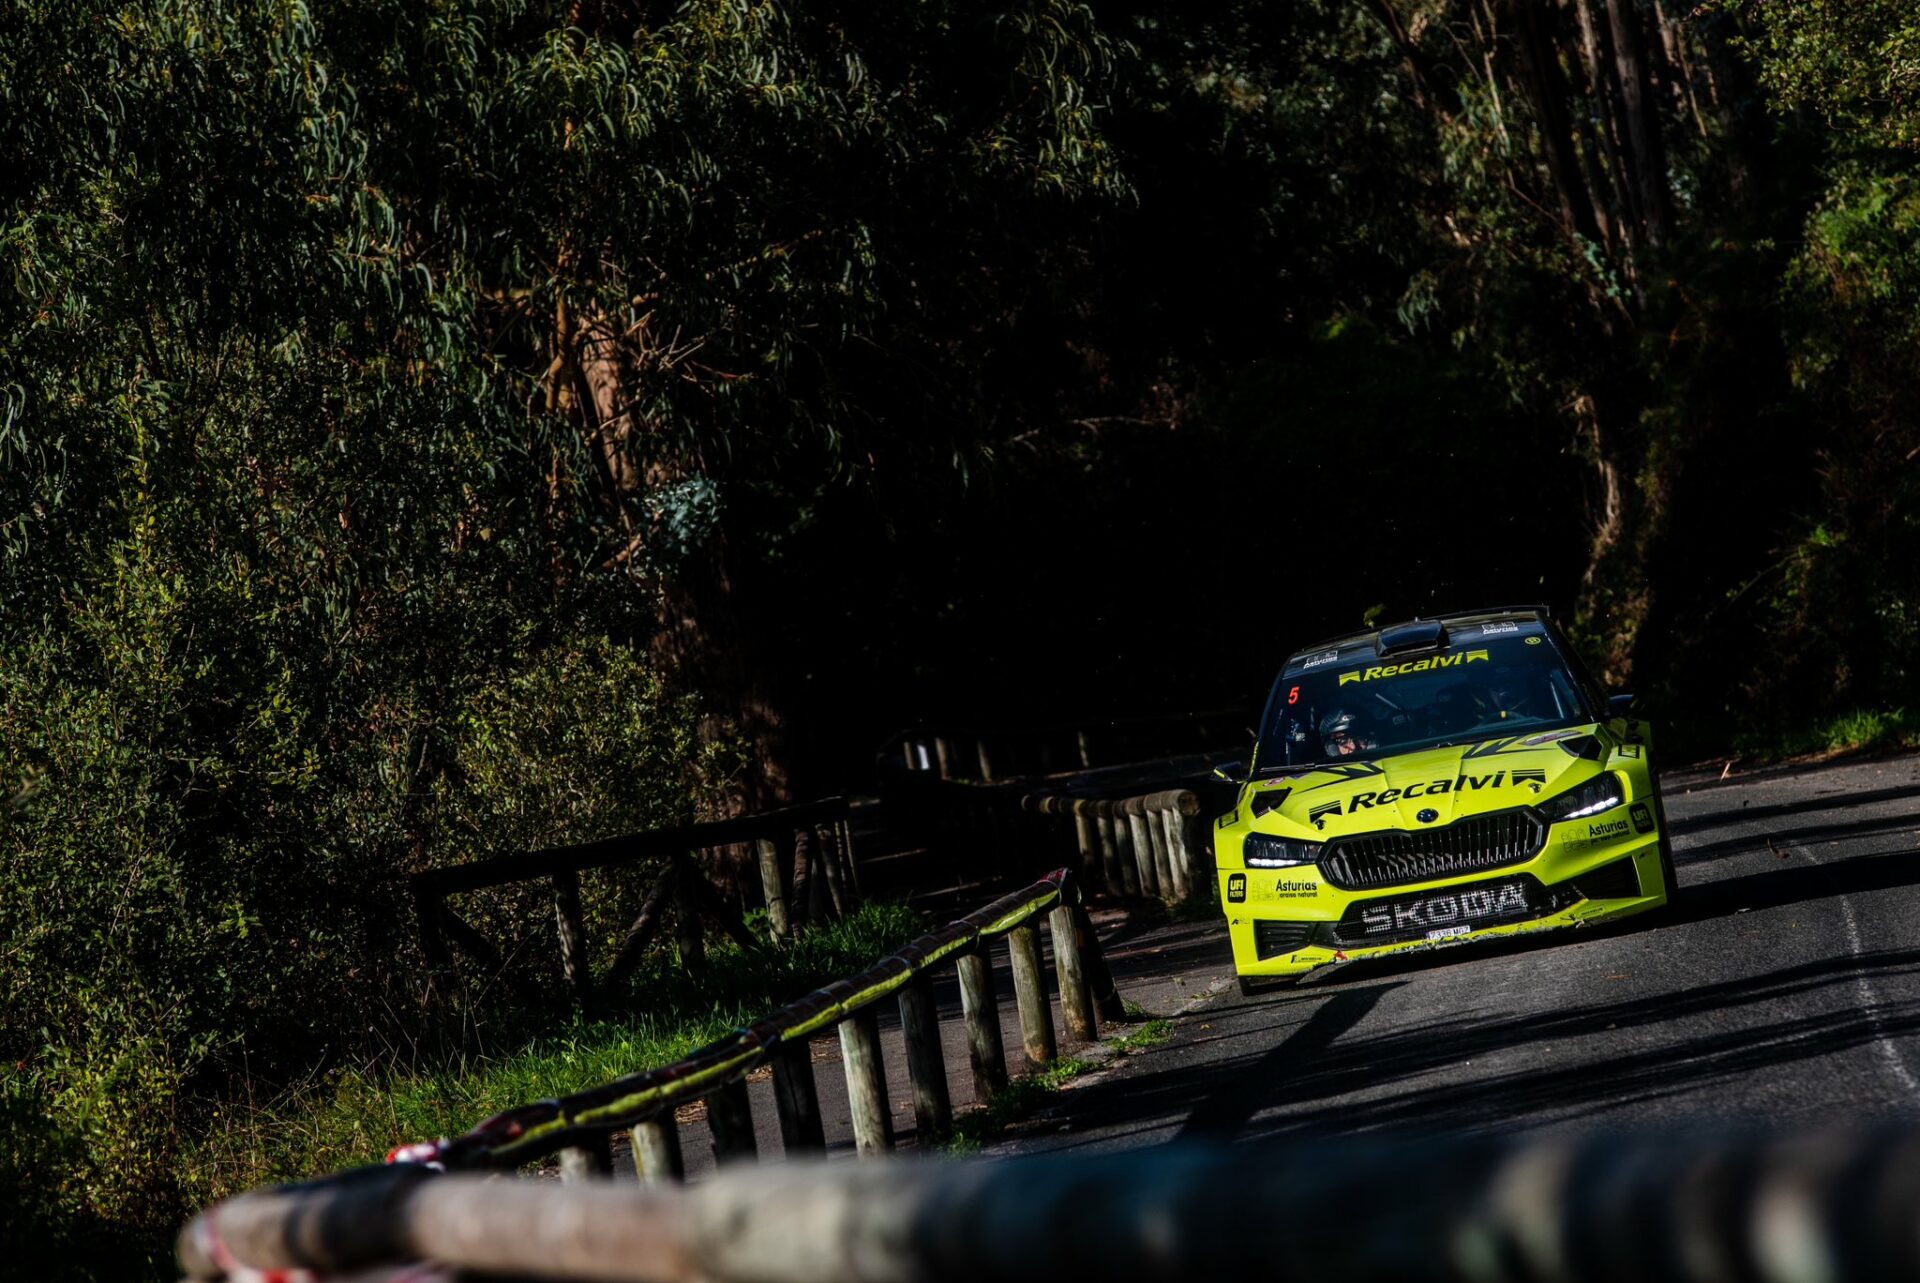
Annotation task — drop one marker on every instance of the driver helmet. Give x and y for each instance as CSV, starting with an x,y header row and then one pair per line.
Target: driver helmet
x,y
1340,732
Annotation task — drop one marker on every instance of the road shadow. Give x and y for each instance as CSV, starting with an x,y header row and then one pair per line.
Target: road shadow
x,y
1819,800
1304,1066
1321,1080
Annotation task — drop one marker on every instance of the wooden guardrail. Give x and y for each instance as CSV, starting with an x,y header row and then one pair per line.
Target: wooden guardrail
x,y
578,1127
804,856
955,752
1137,842
1669,1207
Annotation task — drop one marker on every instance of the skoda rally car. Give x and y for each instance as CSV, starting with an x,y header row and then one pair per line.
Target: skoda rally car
x,y
1436,782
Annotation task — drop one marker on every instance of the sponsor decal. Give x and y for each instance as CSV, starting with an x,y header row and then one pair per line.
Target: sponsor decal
x,y
1550,737
1318,815
1236,888
1444,910
1494,630
1341,773
1319,661
1379,671
1533,641
1642,817
1463,783
1293,887
1601,830
1293,695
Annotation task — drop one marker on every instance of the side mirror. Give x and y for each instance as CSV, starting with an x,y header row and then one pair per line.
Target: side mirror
x,y
1231,772
1619,705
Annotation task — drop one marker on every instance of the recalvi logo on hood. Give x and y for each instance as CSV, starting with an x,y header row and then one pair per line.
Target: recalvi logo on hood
x,y
1413,666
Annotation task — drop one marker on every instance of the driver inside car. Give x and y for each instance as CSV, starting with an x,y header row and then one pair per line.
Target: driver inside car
x,y
1342,734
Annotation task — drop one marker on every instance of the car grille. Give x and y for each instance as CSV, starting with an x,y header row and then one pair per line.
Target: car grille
x,y
1271,939
1402,856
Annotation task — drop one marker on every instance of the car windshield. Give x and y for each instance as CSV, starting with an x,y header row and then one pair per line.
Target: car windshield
x,y
1350,704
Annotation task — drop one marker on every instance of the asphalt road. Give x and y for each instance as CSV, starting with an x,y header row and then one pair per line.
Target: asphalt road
x,y
1782,989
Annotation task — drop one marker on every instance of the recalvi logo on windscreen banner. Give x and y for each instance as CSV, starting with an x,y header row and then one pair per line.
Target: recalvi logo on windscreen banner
x,y
1415,666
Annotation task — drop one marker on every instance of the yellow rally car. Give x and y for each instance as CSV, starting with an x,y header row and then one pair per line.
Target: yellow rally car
x,y
1432,783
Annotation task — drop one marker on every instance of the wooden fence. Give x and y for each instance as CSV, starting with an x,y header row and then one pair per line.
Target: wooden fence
x,y
1154,842
963,753
804,855
578,1128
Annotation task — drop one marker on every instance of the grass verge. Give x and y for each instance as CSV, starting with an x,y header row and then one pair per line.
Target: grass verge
x,y
1026,1094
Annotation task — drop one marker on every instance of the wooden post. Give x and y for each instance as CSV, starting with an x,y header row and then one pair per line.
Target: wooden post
x,y
1076,999
1106,995
592,1160
1142,846
1115,834
817,902
944,756
986,762
982,1012
1174,823
730,1119
1086,750
573,938
926,1065
1162,861
827,860
845,829
1030,995
866,1083
773,885
687,932
656,1151
640,934
798,1100
1084,843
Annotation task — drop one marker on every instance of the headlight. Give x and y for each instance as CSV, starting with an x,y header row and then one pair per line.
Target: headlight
x,y
1263,851
1602,793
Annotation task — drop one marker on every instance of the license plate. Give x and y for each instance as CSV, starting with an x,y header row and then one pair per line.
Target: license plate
x,y
1448,933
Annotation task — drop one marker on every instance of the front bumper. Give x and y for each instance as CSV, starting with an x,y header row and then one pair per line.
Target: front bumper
x,y
1289,921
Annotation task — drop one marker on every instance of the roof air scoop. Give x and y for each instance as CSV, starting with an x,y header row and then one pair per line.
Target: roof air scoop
x,y
1421,634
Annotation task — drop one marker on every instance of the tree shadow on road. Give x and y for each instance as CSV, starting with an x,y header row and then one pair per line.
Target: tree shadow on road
x,y
1307,1081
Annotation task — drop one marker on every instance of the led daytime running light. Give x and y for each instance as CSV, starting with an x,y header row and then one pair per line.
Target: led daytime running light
x,y
1263,851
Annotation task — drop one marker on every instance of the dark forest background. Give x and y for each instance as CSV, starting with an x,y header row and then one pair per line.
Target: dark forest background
x,y
434,429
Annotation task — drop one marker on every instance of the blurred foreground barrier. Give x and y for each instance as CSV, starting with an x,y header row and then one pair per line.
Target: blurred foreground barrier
x,y
1608,1210
578,1127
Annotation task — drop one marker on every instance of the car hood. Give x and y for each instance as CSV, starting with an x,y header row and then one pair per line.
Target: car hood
x,y
1430,787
